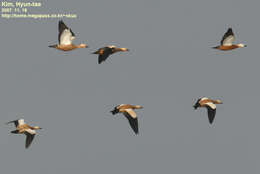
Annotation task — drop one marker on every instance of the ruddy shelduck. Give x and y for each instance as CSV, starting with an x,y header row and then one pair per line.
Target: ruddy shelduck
x,y
210,105
23,128
128,111
104,52
66,36
227,42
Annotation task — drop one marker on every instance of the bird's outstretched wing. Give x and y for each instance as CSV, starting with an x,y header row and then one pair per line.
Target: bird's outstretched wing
x,y
228,38
65,34
211,107
17,122
105,53
132,118
29,137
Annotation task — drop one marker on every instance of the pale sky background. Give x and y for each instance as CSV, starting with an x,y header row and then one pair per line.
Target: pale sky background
x,y
169,66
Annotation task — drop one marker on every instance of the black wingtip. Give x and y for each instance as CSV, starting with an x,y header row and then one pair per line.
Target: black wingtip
x,y
100,61
211,121
230,31
73,34
15,132
10,122
211,114
136,131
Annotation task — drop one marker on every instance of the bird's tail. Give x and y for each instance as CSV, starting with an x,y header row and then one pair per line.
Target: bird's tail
x,y
52,46
215,47
96,52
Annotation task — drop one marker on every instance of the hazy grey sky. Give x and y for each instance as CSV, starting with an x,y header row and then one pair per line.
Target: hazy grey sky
x,y
169,66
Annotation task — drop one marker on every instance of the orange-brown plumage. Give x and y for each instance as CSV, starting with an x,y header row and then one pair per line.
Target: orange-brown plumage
x,y
66,36
226,43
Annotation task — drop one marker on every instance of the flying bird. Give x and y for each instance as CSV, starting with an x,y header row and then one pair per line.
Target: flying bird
x,y
227,42
23,128
128,111
210,105
105,52
66,36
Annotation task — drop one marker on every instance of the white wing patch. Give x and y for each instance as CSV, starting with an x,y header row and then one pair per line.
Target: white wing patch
x,y
204,98
131,113
228,41
21,122
211,105
30,131
66,37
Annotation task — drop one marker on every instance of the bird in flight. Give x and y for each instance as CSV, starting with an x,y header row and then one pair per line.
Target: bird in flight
x,y
105,52
66,36
227,42
23,128
129,113
210,105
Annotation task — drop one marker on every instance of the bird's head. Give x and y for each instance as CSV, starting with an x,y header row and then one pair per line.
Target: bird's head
x,y
241,45
36,127
138,107
83,45
124,49
218,102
